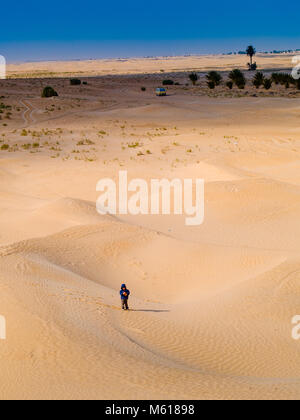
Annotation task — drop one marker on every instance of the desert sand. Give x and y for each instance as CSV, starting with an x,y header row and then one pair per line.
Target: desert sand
x,y
146,65
211,306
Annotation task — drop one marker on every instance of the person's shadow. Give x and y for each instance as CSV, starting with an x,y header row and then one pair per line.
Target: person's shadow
x,y
149,310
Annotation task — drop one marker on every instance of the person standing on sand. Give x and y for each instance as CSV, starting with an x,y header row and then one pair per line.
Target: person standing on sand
x,y
124,292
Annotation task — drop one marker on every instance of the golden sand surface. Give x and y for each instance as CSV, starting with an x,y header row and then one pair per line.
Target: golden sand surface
x,y
211,305
146,65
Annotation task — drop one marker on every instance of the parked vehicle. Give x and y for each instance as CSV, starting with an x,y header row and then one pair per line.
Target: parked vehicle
x,y
161,92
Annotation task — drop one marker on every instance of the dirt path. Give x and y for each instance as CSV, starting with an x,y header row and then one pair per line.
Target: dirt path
x,y
28,113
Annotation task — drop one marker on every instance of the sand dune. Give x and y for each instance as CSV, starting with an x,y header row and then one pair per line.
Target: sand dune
x,y
211,306
145,65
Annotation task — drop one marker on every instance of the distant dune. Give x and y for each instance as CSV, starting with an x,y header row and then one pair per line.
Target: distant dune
x,y
145,65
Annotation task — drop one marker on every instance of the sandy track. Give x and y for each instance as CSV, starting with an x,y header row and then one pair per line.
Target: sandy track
x,y
27,115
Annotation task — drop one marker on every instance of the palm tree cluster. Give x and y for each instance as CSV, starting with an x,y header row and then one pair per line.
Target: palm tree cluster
x,y
285,79
237,77
260,80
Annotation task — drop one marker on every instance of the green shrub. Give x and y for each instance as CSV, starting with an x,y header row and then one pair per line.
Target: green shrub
x,y
240,84
214,76
267,84
49,92
75,82
211,85
252,67
168,82
237,77
193,77
229,84
143,89
258,79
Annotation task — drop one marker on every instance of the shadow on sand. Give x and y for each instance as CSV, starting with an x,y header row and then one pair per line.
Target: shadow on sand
x,y
150,310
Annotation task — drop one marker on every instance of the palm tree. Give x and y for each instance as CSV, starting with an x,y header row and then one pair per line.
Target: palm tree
x,y
251,51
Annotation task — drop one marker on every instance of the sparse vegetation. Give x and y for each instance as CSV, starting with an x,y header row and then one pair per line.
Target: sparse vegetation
x,y
49,92
168,82
215,77
211,85
85,142
283,79
193,77
237,77
258,79
267,84
75,82
134,145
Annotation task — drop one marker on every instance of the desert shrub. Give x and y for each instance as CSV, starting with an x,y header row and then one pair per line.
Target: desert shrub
x,y
241,83
267,84
229,84
237,77
48,92
143,89
235,74
75,82
4,147
252,67
168,82
84,83
193,77
258,79
214,76
275,78
211,85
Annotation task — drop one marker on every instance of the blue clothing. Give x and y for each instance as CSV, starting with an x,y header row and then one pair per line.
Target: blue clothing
x,y
126,291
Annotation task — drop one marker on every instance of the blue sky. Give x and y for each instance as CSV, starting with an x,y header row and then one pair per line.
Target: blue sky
x,y
94,29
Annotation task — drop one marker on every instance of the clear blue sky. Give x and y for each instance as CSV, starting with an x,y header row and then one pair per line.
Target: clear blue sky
x,y
90,29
